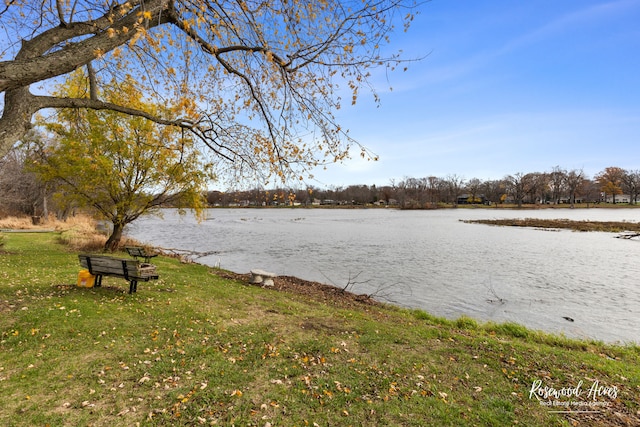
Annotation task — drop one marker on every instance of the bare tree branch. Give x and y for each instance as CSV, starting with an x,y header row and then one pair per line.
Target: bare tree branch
x,y
8,4
93,82
36,60
262,71
60,8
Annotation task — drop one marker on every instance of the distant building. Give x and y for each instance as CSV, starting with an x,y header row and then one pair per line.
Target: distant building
x,y
567,200
468,199
328,202
620,198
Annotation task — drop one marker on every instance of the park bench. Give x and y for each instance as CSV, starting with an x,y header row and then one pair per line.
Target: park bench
x,y
136,251
129,269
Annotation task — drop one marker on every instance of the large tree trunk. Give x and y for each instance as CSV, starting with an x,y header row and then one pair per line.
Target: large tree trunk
x,y
46,56
116,235
16,117
45,207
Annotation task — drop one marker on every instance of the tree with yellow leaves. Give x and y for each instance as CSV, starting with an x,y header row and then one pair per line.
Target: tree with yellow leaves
x,y
258,82
610,181
117,165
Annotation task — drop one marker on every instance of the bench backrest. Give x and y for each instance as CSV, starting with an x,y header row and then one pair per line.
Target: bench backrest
x,y
136,251
111,266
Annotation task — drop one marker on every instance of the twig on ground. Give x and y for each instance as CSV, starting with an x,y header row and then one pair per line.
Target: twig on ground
x,y
382,292
350,282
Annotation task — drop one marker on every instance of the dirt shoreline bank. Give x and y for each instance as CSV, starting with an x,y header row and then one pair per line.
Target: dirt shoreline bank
x,y
318,291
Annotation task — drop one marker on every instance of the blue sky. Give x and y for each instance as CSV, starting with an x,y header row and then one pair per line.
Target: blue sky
x,y
507,86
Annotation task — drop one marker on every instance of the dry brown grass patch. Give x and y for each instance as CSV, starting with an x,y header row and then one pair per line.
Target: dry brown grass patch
x,y
16,223
78,232
82,222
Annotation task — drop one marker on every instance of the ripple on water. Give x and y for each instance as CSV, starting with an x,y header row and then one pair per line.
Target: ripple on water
x,y
431,260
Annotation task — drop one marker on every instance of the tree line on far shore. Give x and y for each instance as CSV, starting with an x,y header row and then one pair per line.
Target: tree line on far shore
x,y
558,186
21,193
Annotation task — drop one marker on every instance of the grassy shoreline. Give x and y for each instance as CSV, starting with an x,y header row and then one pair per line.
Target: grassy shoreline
x,y
605,226
199,348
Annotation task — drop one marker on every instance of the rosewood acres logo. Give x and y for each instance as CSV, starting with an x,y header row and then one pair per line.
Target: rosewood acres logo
x,y
582,397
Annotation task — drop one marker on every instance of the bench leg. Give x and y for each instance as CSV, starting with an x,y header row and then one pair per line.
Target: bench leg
x,y
133,286
98,282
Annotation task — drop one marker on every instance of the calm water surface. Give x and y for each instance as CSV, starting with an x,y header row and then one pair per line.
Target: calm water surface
x,y
433,261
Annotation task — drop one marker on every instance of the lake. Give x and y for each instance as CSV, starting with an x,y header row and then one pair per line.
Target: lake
x,y
433,261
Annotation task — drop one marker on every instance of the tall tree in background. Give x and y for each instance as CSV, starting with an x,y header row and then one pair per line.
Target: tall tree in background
x,y
455,184
516,187
574,180
610,181
20,191
120,166
631,185
557,183
473,186
493,191
536,185
257,82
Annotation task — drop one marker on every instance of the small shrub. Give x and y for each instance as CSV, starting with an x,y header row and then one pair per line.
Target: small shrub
x,y
79,234
511,329
465,322
430,318
128,241
79,240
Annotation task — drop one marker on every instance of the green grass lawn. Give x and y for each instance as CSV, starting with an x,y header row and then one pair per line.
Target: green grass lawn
x,y
195,349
